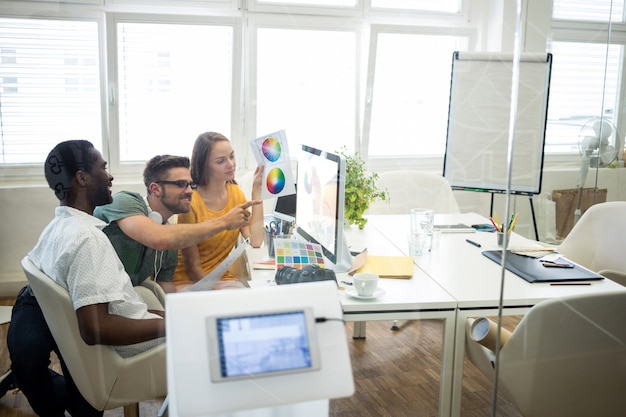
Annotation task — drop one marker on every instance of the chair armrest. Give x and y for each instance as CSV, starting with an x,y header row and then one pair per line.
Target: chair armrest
x,y
149,290
617,276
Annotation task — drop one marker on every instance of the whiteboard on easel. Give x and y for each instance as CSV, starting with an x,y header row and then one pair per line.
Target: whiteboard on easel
x,y
477,142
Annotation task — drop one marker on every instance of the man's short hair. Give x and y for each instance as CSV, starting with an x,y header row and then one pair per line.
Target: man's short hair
x,y
64,160
157,167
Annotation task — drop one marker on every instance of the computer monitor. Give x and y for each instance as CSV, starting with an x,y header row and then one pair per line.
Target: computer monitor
x,y
285,207
321,181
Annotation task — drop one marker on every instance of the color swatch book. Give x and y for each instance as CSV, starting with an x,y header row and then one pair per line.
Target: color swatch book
x,y
289,252
272,152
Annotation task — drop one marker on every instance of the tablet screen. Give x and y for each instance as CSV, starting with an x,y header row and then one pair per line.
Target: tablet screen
x,y
256,345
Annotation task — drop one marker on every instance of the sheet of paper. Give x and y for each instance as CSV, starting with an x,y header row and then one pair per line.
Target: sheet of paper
x,y
210,279
533,252
272,152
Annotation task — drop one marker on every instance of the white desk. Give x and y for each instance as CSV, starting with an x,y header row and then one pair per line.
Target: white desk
x,y
416,298
474,281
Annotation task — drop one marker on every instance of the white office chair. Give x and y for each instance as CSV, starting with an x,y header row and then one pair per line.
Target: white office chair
x,y
566,357
410,189
594,240
152,294
105,379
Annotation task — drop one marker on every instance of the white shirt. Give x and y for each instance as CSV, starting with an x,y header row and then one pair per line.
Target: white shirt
x,y
74,252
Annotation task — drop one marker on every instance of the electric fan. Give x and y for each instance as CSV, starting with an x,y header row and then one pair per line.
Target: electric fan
x,y
597,144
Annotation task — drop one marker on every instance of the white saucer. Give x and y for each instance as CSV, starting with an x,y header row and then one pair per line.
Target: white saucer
x,y
377,293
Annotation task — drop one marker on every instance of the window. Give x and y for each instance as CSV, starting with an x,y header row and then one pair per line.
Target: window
x,y
590,10
580,90
410,92
306,84
316,3
447,6
586,74
49,86
138,84
175,82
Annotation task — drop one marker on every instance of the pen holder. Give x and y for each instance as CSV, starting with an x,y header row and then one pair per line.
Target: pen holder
x,y
269,242
500,237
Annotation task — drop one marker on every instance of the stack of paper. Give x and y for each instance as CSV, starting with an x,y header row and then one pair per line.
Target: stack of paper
x,y
533,252
387,266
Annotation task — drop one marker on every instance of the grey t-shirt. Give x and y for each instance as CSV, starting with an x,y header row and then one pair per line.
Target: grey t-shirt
x,y
139,260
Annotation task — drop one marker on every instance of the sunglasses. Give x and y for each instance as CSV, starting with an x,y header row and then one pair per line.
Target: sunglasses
x,y
179,183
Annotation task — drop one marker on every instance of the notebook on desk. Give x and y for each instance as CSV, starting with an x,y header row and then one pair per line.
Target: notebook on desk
x,y
387,266
532,270
454,228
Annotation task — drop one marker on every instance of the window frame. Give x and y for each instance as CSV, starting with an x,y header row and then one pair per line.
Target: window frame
x,y
32,173
428,162
265,21
286,9
474,19
593,32
132,168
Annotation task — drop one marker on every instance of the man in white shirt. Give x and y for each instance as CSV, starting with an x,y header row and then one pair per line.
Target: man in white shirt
x,y
73,251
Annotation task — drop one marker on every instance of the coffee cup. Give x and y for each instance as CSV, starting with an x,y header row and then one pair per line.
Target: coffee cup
x,y
365,283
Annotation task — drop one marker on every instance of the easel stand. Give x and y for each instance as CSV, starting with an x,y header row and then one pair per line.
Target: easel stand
x,y
532,208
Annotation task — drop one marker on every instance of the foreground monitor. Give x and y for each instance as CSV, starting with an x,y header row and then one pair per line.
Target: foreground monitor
x,y
277,348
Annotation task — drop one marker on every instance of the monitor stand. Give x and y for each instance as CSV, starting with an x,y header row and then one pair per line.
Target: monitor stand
x,y
344,259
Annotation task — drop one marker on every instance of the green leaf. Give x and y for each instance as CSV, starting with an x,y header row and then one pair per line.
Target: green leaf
x,y
361,189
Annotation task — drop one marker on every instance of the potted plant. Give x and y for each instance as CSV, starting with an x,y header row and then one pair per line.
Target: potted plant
x,y
361,189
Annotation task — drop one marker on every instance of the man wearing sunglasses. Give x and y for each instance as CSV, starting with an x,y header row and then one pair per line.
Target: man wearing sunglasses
x,y
139,230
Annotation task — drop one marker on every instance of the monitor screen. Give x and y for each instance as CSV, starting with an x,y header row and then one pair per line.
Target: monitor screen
x,y
256,345
320,204
285,207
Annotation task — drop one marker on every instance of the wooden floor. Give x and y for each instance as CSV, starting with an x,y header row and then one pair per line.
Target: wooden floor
x,y
396,374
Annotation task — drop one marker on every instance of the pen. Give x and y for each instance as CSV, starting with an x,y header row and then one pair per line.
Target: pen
x,y
494,224
471,242
495,217
512,226
346,282
571,283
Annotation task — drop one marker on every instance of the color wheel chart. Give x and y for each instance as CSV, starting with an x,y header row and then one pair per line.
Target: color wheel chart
x,y
271,151
289,252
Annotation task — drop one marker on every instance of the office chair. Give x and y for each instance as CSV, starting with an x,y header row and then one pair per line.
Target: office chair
x,y
152,294
410,189
593,240
566,357
105,379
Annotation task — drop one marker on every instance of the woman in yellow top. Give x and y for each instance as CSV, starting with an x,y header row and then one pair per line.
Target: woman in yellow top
x,y
213,168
